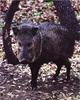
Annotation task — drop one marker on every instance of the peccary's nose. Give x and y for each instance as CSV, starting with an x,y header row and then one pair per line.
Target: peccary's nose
x,y
23,61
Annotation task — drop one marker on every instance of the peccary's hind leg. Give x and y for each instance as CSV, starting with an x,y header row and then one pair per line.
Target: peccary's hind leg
x,y
68,67
34,74
57,71
59,64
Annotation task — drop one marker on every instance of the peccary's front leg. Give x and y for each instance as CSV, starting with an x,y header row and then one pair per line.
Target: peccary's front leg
x,y
34,74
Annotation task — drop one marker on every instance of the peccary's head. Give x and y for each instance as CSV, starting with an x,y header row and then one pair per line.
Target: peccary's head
x,y
29,42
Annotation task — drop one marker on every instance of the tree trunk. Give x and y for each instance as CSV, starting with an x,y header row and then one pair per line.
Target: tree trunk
x,y
11,58
67,16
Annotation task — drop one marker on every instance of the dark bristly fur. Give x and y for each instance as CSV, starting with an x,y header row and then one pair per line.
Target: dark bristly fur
x,y
44,43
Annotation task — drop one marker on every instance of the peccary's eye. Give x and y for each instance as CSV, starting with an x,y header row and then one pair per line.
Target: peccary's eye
x,y
19,44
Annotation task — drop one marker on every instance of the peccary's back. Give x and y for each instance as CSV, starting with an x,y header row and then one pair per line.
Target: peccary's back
x,y
57,41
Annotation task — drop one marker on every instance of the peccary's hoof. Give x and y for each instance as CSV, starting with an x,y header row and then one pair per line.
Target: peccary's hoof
x,y
34,88
55,77
68,79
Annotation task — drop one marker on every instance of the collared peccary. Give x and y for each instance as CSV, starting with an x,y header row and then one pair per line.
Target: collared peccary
x,y
44,43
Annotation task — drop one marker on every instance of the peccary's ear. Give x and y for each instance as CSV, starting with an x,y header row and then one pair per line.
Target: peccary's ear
x,y
15,30
34,30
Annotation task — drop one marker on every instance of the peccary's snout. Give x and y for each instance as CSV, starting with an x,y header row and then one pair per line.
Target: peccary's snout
x,y
23,61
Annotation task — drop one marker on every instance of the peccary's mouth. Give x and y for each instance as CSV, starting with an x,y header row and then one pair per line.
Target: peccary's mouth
x,y
23,61
26,61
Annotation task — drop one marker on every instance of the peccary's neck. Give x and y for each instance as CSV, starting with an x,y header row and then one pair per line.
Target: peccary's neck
x,y
38,41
